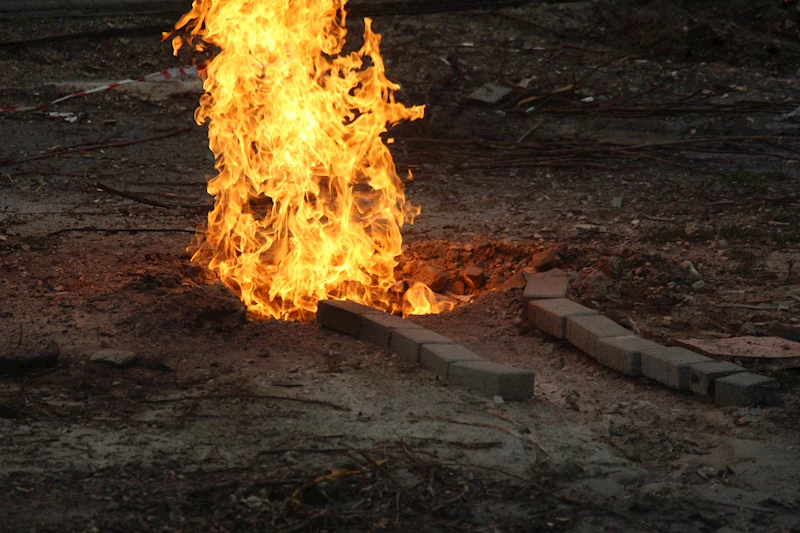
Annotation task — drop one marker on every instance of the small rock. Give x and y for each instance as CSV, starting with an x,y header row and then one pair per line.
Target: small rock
x,y
115,358
616,202
699,285
458,287
689,267
498,400
435,279
748,328
489,94
546,260
690,228
474,277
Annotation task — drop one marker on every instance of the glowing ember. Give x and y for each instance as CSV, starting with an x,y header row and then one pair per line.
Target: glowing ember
x,y
308,202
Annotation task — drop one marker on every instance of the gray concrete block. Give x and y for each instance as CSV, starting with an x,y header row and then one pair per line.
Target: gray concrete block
x,y
702,376
746,389
377,327
342,315
439,357
550,316
492,379
543,286
623,354
670,366
407,342
584,331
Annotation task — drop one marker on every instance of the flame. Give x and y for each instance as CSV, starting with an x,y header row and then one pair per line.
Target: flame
x,y
308,203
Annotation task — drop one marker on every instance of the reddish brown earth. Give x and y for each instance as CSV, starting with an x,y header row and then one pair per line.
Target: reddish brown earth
x,y
231,424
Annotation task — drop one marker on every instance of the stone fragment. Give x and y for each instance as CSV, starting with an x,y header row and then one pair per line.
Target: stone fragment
x,y
439,357
584,331
432,277
542,285
702,376
458,287
408,342
115,358
546,260
670,366
492,379
616,202
342,315
489,94
377,328
474,277
550,316
623,354
746,389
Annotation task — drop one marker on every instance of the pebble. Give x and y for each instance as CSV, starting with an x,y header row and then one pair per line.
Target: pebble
x,y
699,285
616,202
115,358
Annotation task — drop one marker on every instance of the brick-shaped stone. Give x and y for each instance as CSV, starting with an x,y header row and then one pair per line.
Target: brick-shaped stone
x,y
545,286
623,354
702,376
492,379
670,366
342,315
439,357
407,342
745,389
550,316
377,327
584,331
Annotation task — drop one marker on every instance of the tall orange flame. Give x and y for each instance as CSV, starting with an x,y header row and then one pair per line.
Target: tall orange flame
x,y
308,203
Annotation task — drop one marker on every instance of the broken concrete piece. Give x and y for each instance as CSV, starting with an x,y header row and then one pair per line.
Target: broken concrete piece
x,y
115,358
439,357
492,379
584,331
377,327
550,316
46,357
746,389
623,354
342,315
489,94
702,376
749,347
407,342
670,366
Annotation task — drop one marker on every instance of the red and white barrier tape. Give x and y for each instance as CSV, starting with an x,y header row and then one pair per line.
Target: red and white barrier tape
x,y
183,72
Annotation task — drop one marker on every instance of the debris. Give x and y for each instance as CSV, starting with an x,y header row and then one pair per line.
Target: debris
x,y
747,346
689,267
616,202
431,276
34,360
489,94
546,260
457,287
115,358
474,277
785,332
698,285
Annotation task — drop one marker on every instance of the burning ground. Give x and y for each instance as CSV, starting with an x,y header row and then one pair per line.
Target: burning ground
x,y
226,423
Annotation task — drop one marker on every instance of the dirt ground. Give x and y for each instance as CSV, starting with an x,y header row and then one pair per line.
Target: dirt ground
x,y
231,424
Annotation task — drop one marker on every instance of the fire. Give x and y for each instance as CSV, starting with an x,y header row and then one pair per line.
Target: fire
x,y
308,203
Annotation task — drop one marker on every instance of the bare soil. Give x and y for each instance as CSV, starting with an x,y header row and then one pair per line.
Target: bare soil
x,y
232,424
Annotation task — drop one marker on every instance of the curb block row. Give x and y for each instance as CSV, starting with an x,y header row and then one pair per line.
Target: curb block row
x,y
547,309
415,344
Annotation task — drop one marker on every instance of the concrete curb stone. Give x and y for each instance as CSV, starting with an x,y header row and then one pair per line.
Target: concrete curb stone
x,y
377,328
745,389
343,316
439,357
408,342
670,366
545,285
550,316
492,379
584,331
702,376
623,354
